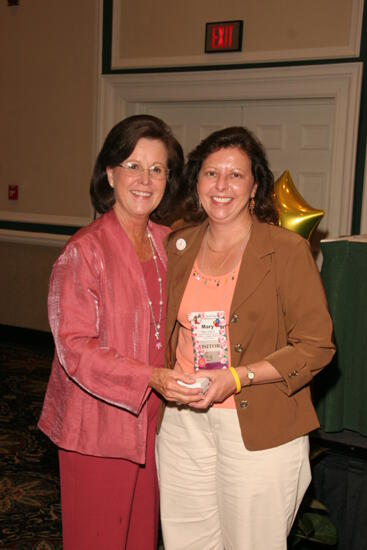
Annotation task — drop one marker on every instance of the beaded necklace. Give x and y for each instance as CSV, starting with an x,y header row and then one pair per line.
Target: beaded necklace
x,y
157,324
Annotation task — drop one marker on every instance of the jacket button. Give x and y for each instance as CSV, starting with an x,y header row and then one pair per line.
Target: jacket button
x,y
234,318
238,348
293,373
243,404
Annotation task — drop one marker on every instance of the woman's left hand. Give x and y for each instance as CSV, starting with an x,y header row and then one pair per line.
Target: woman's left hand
x,y
221,386
166,382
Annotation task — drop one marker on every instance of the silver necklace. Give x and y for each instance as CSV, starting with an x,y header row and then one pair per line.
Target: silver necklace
x,y
157,324
201,275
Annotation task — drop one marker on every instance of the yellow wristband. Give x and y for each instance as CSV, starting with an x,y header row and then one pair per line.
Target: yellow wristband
x,y
236,379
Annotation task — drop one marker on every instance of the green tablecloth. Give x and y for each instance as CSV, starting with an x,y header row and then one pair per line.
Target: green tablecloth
x,y
341,389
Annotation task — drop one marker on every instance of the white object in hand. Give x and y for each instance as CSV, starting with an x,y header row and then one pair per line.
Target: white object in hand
x,y
201,383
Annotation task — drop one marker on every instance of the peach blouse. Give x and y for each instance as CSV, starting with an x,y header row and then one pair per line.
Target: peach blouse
x,y
204,293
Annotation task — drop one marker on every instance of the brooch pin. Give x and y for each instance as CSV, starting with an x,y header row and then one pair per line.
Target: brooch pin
x,y
180,244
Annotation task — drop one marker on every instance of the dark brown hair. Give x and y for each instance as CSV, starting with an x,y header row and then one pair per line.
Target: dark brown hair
x,y
118,146
243,139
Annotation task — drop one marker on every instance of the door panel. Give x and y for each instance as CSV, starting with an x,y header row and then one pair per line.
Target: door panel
x,y
297,135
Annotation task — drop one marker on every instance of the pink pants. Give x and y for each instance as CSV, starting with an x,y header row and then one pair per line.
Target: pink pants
x,y
109,503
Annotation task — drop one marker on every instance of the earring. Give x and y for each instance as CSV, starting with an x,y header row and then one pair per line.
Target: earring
x,y
200,207
251,206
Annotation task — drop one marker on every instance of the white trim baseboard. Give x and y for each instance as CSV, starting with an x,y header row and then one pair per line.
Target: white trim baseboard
x,y
30,217
30,238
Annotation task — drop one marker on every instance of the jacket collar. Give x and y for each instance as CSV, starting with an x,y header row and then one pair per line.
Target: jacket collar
x,y
180,265
158,233
192,237
254,266
255,263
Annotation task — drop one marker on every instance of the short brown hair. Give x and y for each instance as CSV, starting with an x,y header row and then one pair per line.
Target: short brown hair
x,y
119,144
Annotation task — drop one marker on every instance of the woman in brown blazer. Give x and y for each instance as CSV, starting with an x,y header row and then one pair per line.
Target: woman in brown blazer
x,y
246,310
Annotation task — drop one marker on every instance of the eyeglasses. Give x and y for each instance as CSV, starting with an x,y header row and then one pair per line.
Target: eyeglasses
x,y
156,172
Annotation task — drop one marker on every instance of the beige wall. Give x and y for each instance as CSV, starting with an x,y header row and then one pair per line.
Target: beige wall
x,y
48,96
174,29
48,60
24,283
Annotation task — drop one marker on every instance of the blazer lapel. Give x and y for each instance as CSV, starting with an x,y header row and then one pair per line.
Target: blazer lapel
x,y
179,268
255,264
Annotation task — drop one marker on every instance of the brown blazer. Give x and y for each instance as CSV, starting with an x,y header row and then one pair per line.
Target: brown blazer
x,y
279,313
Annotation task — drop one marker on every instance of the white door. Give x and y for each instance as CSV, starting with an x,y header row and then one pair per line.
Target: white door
x,y
297,136
295,133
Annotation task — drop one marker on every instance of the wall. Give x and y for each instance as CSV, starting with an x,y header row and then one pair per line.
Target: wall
x,y
50,60
49,67
25,278
172,33
48,55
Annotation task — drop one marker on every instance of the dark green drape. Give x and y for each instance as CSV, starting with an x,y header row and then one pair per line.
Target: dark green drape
x,y
340,391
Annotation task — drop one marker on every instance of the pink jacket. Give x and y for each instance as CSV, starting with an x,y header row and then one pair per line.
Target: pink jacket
x,y
96,397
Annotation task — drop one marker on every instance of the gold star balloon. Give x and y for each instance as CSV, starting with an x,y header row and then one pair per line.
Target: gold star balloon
x,y
294,212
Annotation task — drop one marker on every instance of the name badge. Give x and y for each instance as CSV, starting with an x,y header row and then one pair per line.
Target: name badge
x,y
209,339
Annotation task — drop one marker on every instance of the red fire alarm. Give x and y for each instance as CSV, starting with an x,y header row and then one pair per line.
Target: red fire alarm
x,y
13,192
223,36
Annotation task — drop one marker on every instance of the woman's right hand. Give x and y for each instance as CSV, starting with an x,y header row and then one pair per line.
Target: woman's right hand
x,y
164,381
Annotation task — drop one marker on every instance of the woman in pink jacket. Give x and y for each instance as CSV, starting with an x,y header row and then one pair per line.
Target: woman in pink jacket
x,y
107,314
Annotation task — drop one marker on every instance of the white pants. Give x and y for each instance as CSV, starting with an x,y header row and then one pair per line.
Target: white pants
x,y
215,494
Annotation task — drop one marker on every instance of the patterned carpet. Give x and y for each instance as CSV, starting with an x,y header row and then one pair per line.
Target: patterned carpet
x,y
29,486
30,515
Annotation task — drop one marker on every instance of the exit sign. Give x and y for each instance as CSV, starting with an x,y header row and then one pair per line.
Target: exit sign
x,y
223,36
